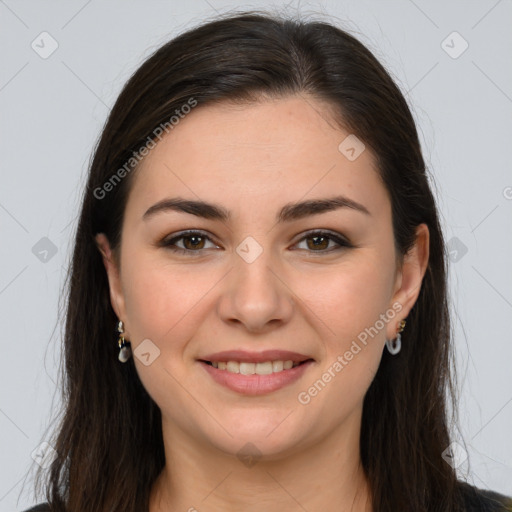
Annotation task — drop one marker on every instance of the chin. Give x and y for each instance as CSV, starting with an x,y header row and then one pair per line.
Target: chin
x,y
271,438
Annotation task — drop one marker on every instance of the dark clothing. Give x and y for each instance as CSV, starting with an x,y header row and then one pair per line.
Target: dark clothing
x,y
476,500
485,501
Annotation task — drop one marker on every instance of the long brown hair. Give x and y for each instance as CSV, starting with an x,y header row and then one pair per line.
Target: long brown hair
x,y
109,440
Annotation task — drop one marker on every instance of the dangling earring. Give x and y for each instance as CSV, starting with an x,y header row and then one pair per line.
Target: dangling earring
x,y
125,351
395,345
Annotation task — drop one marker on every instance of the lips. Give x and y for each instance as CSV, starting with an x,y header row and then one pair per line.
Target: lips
x,y
256,384
243,356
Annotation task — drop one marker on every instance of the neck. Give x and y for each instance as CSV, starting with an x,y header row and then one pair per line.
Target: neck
x,y
327,475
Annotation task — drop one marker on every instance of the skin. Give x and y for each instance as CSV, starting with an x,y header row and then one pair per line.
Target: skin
x,y
252,160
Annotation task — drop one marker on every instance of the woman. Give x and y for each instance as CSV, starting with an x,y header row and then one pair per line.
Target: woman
x,y
257,313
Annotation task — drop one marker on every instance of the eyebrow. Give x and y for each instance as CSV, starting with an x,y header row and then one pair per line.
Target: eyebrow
x,y
288,213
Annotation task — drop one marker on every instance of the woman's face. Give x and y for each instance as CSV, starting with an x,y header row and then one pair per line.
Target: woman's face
x,y
260,279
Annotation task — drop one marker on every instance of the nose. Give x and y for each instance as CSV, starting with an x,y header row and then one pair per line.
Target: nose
x,y
256,295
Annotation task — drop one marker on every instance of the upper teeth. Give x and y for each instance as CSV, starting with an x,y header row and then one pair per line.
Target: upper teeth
x,y
265,368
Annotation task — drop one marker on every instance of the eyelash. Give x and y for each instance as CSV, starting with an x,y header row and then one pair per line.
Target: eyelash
x,y
169,243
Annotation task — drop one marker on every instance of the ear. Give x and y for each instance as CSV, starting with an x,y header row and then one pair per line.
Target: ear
x,y
113,274
410,277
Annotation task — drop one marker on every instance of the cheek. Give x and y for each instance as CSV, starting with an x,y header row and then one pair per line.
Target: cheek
x,y
347,300
159,296
163,302
348,305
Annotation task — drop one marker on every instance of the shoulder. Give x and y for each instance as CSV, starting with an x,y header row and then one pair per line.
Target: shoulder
x,y
480,500
42,507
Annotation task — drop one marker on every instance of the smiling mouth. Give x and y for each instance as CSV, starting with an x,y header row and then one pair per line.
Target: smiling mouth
x,y
264,368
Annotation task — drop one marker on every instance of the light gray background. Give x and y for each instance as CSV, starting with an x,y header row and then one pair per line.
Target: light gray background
x,y
52,111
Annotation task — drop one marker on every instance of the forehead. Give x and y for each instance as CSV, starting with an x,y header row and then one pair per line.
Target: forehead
x,y
257,154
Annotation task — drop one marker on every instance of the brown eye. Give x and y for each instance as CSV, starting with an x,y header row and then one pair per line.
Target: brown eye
x,y
192,242
318,241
